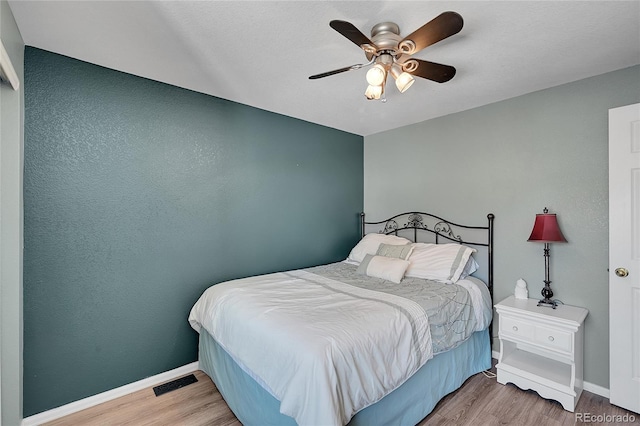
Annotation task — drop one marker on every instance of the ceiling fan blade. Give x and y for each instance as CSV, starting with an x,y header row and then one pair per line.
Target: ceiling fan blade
x,y
442,26
430,70
338,71
349,30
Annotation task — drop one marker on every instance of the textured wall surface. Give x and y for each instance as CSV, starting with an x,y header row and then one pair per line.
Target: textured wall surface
x,y
139,195
513,158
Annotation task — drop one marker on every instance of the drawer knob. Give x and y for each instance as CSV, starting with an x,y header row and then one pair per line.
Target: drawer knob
x,y
515,328
551,338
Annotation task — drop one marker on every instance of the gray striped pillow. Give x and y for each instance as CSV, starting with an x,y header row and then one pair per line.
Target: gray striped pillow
x,y
400,252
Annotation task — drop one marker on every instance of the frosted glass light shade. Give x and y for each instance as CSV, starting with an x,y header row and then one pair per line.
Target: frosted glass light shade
x,y
373,92
404,81
376,75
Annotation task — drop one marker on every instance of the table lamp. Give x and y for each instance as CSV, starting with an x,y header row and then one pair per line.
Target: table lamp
x,y
546,230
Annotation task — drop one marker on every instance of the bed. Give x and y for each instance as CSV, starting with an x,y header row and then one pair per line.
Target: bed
x,y
376,339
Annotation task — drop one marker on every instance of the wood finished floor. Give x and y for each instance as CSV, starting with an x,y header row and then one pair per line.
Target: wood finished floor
x,y
481,401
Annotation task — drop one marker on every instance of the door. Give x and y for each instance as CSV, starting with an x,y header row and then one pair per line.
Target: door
x,y
624,257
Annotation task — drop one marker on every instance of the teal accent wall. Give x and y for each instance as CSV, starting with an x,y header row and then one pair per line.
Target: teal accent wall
x,y
139,195
513,158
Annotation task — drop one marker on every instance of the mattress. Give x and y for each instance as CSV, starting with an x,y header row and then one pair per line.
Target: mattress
x,y
335,337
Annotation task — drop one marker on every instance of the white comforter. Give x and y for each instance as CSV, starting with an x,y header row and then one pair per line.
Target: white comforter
x,y
324,349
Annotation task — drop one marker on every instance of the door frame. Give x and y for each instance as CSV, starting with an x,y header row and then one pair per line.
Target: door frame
x,y
624,306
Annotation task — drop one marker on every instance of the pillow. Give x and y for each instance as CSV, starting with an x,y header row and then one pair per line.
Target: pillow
x,y
369,245
390,250
469,268
439,262
387,268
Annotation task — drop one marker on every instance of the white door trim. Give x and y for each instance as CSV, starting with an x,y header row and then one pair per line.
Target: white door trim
x,y
624,256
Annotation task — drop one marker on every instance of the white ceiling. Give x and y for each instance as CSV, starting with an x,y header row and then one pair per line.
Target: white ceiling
x,y
260,53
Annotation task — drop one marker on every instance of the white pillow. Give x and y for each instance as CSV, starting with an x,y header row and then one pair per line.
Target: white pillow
x,y
440,262
469,268
369,245
387,268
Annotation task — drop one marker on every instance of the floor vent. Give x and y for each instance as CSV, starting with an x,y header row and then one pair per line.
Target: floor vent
x,y
174,384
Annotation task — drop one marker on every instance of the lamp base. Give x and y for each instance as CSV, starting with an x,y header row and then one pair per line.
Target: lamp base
x,y
548,303
547,293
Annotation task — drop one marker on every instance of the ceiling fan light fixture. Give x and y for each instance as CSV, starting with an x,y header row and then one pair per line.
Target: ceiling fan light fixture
x,y
373,92
404,80
376,75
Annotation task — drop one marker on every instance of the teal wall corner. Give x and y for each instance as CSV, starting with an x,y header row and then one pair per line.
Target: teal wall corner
x,y
138,196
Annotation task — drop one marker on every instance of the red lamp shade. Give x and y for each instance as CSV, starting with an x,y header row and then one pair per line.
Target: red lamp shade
x,y
546,229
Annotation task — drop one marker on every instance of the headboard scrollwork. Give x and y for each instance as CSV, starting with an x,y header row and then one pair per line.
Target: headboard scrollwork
x,y
440,230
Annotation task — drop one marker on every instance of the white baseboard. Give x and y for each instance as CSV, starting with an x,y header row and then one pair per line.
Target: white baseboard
x,y
74,407
589,387
598,390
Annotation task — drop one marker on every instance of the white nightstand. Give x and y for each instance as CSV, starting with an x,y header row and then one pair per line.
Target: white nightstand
x,y
542,349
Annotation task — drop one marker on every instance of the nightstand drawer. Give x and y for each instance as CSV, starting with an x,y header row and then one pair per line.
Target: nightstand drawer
x,y
554,339
517,328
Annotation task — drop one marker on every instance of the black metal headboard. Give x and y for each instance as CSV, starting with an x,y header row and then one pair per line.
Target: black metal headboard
x,y
440,230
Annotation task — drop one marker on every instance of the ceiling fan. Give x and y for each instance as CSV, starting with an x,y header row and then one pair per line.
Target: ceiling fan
x,y
389,53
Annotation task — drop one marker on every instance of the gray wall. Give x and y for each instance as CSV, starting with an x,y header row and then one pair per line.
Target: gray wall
x,y
11,162
513,158
138,196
